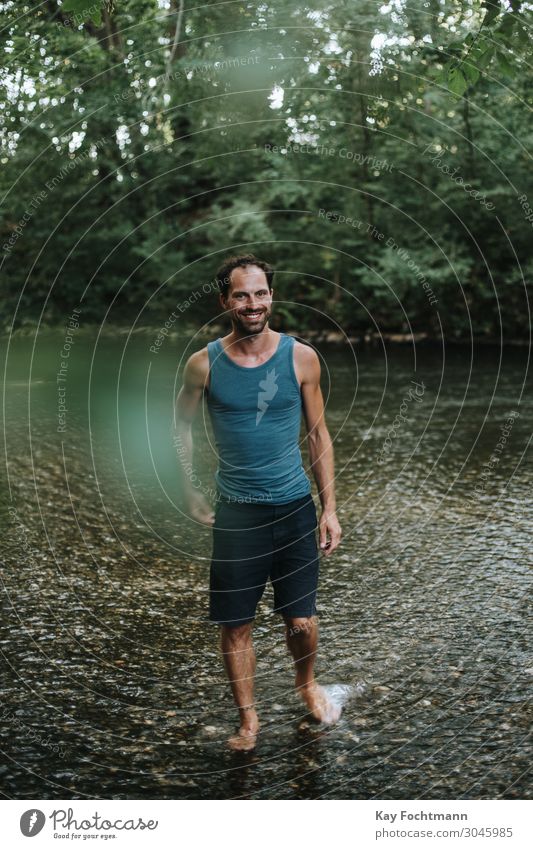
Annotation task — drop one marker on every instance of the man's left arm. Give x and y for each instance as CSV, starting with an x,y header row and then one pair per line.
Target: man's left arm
x,y
320,445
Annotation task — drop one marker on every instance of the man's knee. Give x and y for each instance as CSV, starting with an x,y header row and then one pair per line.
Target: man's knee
x,y
237,634
299,625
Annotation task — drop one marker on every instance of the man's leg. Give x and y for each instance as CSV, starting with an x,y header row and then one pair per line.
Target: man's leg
x,y
302,641
239,660
240,567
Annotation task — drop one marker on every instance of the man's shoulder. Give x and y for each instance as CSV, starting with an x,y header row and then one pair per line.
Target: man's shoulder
x,y
304,350
197,366
306,359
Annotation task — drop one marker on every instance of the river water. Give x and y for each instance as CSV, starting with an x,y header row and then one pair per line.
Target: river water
x,y
112,683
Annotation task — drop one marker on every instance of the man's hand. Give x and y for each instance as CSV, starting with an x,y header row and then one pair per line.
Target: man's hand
x,y
330,532
199,509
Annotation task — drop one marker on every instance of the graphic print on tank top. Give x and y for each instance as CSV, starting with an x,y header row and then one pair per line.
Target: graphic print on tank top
x,y
256,417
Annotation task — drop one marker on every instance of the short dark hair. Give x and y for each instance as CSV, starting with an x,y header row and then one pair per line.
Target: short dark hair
x,y
223,274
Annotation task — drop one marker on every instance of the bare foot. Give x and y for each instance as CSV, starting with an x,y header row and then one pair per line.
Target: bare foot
x,y
246,737
320,707
243,741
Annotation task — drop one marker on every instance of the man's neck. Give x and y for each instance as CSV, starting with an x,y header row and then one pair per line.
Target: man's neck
x,y
256,343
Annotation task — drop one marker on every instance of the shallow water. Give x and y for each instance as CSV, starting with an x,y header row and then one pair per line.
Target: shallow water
x,y
112,684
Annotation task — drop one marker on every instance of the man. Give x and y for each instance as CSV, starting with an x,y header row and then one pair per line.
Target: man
x,y
257,383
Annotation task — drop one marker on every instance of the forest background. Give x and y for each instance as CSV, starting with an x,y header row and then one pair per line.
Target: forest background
x,y
375,154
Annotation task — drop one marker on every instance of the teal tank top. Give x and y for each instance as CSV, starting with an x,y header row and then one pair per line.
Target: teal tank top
x,y
256,415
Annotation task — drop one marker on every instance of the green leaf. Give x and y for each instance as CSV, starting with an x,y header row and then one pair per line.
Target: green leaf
x,y
493,9
507,25
478,49
441,77
522,35
504,65
484,59
77,7
83,10
456,81
471,72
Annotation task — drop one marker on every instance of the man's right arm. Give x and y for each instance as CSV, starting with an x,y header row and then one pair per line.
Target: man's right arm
x,y
189,398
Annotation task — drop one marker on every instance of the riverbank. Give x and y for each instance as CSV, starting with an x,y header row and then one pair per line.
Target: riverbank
x,y
321,336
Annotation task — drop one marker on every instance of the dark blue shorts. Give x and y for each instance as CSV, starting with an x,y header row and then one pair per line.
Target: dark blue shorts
x,y
253,542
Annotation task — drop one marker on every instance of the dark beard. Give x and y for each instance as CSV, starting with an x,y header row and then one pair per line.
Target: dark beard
x,y
251,329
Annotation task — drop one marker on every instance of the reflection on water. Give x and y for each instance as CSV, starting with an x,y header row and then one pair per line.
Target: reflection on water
x,y
112,680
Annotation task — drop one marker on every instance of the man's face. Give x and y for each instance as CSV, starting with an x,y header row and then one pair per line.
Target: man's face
x,y
249,300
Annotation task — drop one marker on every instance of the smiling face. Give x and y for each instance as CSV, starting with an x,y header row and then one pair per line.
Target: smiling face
x,y
249,300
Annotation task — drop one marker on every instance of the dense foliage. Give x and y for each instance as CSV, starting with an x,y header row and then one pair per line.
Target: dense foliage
x,y
377,155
